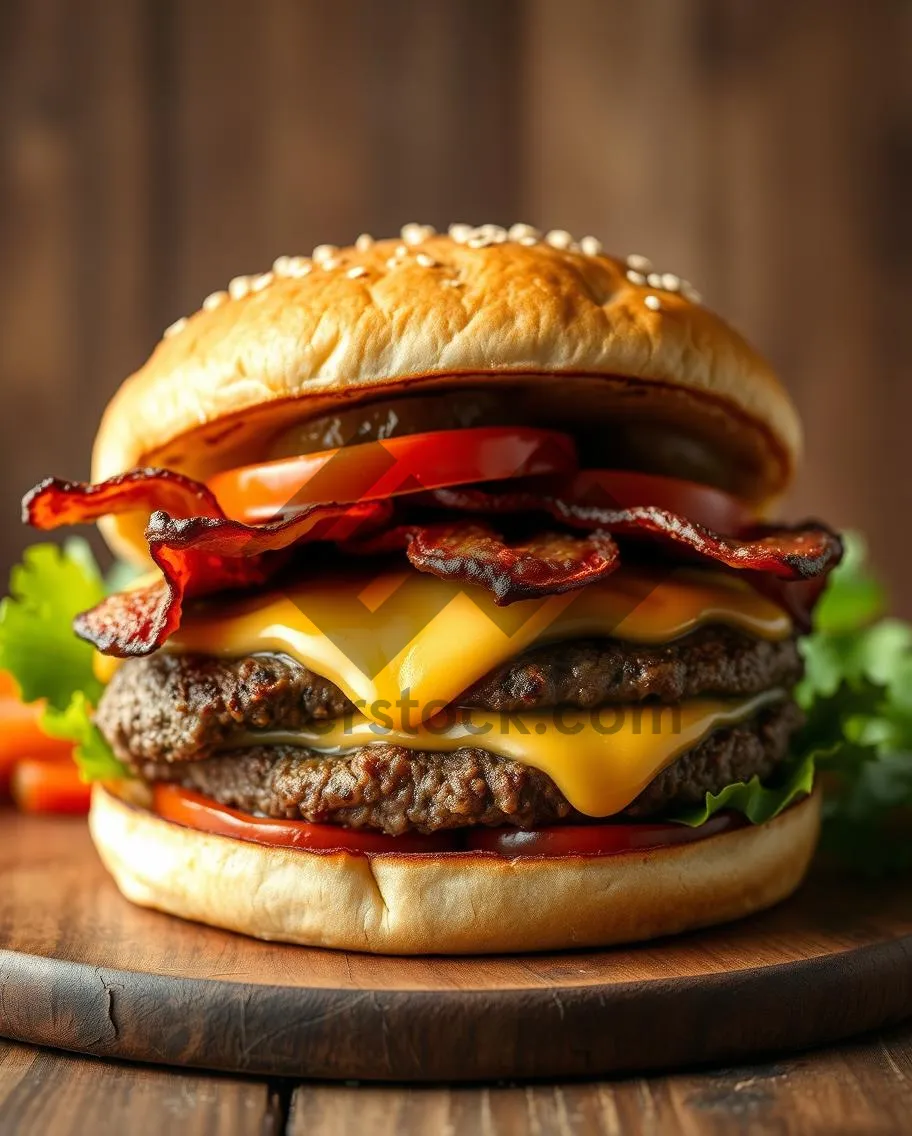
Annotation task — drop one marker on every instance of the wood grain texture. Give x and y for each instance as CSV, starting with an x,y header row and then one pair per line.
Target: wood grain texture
x,y
83,970
58,1094
857,1089
862,1089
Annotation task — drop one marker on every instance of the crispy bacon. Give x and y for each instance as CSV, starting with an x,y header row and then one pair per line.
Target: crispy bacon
x,y
202,555
54,502
797,552
200,551
546,564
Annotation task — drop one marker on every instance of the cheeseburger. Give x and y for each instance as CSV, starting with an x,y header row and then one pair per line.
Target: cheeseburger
x,y
462,620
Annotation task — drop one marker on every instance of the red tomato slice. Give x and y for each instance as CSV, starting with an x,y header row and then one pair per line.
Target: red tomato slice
x,y
50,787
393,466
594,839
708,506
193,810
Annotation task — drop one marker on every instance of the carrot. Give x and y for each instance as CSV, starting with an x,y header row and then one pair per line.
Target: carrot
x,y
7,685
49,787
21,736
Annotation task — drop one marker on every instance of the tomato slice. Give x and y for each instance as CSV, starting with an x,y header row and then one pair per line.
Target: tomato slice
x,y
594,839
50,787
193,810
393,466
613,488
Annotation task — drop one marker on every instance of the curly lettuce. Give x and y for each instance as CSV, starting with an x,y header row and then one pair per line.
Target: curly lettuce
x,y
46,660
857,694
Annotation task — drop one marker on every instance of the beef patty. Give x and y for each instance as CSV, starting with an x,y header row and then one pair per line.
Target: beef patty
x,y
396,790
177,708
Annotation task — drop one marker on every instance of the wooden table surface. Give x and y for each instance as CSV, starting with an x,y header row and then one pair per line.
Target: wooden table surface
x,y
863,1087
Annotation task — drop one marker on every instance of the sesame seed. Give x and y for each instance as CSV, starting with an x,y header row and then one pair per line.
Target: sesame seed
x,y
521,233
450,282
329,263
460,233
495,234
298,266
670,282
262,282
175,327
280,265
214,300
690,293
639,263
559,239
354,273
393,263
486,235
324,252
364,242
239,287
654,280
426,261
591,246
414,234
652,302
401,251
635,277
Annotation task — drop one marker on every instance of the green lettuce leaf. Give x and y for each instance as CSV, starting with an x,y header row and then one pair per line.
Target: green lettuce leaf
x,y
45,658
759,803
92,754
37,644
857,695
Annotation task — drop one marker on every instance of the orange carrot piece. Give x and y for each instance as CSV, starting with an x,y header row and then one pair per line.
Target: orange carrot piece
x,y
49,787
21,736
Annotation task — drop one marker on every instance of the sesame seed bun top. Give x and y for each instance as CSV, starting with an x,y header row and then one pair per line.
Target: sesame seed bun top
x,y
570,333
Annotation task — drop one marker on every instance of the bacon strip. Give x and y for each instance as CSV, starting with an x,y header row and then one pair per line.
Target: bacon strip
x,y
798,552
54,502
545,565
200,551
202,555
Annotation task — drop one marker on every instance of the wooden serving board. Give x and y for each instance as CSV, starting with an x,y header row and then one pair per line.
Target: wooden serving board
x,y
81,969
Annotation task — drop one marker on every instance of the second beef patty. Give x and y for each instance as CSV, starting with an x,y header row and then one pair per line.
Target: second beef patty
x,y
176,708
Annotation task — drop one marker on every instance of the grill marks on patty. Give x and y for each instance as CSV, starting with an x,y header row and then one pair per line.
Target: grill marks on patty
x,y
178,708
396,790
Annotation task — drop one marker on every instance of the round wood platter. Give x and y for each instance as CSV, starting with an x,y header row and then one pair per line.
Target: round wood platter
x,y
82,969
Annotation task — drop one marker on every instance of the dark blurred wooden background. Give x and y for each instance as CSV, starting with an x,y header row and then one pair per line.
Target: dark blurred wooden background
x,y
151,149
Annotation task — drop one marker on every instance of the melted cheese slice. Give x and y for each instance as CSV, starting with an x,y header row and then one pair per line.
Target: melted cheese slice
x,y
402,645
601,760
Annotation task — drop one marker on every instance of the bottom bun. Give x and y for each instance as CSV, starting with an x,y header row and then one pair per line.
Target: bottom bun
x,y
455,903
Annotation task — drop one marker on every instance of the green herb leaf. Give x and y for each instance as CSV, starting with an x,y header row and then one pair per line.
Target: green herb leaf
x,y
92,754
37,644
857,694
